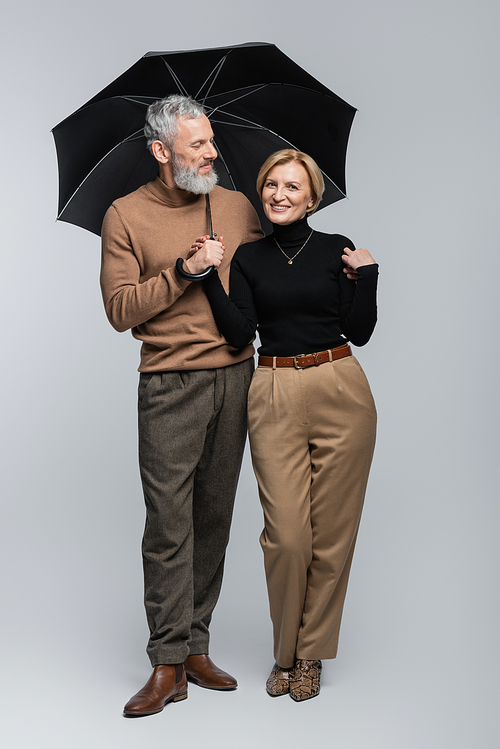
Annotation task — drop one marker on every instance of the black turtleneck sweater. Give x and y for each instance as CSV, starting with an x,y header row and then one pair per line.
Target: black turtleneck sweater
x,y
303,307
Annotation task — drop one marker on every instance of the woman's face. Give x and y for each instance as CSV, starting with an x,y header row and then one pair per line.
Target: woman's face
x,y
286,194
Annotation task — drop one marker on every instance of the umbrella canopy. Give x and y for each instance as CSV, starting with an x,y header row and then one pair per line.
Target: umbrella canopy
x,y
257,99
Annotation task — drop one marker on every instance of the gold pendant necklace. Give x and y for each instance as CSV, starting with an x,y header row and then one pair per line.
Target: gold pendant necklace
x,y
291,259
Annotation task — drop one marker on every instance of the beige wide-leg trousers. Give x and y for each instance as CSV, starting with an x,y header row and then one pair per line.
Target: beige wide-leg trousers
x,y
312,435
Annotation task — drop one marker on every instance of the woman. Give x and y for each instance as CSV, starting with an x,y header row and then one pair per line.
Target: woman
x,y
311,416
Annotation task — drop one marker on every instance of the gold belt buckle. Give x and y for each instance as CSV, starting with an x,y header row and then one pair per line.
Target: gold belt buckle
x,y
295,363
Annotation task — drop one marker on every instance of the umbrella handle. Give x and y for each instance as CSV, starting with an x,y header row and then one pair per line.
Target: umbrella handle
x,y
179,266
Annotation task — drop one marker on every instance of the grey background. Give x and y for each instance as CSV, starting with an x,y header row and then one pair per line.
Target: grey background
x,y
418,660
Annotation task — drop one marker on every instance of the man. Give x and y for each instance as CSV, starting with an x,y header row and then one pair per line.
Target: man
x,y
192,389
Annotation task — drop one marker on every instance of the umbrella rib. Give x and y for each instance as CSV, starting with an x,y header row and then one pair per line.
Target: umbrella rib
x,y
237,124
253,91
130,137
138,135
215,78
176,79
215,72
248,89
221,157
242,88
333,183
136,101
243,119
257,87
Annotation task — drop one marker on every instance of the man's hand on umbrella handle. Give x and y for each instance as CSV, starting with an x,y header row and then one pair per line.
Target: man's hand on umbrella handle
x,y
204,253
354,259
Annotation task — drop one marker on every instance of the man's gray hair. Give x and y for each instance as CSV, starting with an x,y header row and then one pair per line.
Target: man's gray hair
x,y
162,118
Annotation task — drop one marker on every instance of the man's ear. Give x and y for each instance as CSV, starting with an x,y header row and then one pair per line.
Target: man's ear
x,y
161,152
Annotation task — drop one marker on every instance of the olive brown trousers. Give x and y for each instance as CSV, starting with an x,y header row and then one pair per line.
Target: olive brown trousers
x,y
312,436
192,432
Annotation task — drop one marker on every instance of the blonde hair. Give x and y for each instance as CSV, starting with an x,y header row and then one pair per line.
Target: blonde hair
x,y
285,157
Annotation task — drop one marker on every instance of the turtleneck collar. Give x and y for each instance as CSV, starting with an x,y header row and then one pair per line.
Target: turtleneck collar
x,y
292,234
172,196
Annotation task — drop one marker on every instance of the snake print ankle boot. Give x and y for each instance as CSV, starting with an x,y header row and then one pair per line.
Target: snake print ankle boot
x,y
278,682
305,681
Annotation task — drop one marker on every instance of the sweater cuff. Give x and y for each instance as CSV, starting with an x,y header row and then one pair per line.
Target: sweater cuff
x,y
367,271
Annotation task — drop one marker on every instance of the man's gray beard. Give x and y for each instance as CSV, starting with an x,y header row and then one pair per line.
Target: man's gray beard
x,y
189,178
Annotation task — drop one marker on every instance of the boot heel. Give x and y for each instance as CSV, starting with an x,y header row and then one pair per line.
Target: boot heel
x,y
180,697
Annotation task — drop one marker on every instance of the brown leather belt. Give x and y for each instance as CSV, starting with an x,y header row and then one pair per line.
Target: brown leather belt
x,y
306,360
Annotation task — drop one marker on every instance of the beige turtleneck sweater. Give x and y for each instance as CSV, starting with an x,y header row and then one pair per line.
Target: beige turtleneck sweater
x,y
143,234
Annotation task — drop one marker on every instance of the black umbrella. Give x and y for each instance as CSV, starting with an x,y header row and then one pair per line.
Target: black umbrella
x,y
258,101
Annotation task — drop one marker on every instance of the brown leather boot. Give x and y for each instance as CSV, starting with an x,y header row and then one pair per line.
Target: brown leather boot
x,y
278,682
201,670
305,681
166,684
